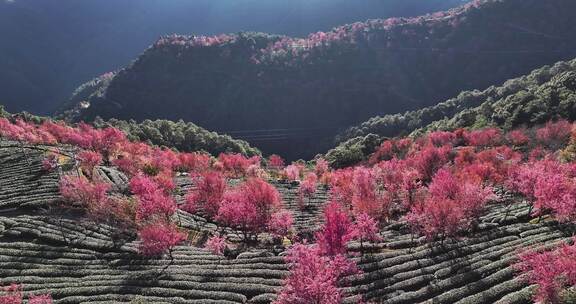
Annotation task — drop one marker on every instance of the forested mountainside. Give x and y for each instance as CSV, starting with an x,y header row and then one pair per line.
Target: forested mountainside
x,y
49,47
544,94
179,135
331,80
553,99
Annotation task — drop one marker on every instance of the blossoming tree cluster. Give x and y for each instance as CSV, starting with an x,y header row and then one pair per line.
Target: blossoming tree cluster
x,y
252,207
442,182
439,184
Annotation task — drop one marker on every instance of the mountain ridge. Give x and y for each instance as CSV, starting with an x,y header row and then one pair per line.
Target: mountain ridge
x,y
51,47
260,82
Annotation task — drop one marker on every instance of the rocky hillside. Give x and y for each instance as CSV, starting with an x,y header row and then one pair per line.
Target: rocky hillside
x,y
273,90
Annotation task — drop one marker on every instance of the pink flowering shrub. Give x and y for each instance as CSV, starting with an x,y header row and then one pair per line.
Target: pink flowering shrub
x,y
132,158
386,151
484,138
101,140
216,245
158,238
387,174
403,145
390,149
280,223
207,194
92,196
441,138
9,130
314,277
152,201
341,187
24,132
366,228
165,181
539,153
104,141
554,134
411,189
275,162
429,160
307,188
11,294
488,166
40,299
249,207
196,162
336,231
255,171
293,172
237,211
452,206
321,168
367,190
556,192
517,137
50,162
236,165
79,189
161,161
116,211
369,193
552,271
444,185
439,218
88,160
549,184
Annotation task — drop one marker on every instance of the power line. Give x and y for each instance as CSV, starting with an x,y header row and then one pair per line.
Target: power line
x,y
278,130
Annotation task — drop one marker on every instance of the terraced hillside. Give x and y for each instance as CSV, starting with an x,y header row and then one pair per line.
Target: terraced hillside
x,y
51,250
270,90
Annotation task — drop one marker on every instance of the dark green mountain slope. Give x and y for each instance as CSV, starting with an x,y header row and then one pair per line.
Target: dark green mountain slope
x,y
546,93
49,47
307,90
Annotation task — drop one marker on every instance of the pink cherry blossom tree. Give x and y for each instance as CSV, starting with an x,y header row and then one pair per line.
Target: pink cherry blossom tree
x,y
207,194
314,278
307,189
552,271
336,232
158,238
249,208
216,245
